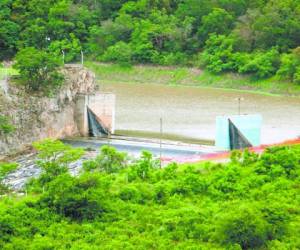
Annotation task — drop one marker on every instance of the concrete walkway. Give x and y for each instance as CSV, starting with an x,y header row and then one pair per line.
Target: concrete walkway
x,y
168,150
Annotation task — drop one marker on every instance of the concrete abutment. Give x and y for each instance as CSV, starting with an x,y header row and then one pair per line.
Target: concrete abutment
x,y
102,105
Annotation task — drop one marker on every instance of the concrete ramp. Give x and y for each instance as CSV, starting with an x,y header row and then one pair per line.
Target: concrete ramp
x,y
96,126
102,109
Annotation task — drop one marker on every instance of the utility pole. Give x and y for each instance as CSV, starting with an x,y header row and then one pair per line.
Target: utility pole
x,y
63,56
81,57
239,99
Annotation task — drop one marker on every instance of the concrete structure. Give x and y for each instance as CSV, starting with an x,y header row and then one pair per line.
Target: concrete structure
x,y
248,125
102,105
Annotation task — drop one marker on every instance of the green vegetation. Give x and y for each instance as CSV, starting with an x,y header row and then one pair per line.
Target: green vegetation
x,y
260,38
5,169
112,74
38,70
250,203
5,126
7,72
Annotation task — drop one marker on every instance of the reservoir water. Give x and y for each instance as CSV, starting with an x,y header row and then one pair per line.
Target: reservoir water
x,y
190,112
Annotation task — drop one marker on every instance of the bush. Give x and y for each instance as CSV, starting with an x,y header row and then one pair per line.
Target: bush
x,y
244,226
284,157
145,165
38,70
249,203
218,55
109,160
6,168
130,193
77,198
290,66
71,47
5,126
119,53
177,58
262,64
54,158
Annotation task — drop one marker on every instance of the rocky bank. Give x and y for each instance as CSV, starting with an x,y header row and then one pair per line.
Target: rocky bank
x,y
36,117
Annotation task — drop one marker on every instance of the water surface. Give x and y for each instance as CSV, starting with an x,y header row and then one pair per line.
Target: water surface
x,y
191,111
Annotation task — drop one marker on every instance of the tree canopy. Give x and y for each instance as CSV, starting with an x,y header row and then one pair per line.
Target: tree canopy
x,y
252,202
168,32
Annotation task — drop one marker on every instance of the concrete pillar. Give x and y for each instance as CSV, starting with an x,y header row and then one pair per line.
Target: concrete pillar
x,y
102,104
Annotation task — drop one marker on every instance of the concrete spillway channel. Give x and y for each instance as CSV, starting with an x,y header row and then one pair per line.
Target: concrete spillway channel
x,y
170,152
134,146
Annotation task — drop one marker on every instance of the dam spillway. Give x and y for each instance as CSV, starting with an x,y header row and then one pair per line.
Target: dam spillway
x,y
95,114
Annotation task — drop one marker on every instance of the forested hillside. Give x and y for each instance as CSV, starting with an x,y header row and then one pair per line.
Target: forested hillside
x,y
250,203
257,37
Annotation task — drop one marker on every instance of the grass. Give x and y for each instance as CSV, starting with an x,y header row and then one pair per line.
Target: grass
x,y
112,73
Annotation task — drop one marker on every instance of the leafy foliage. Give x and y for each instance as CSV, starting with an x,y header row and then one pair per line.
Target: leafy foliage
x,y
169,32
262,65
54,158
38,70
5,169
119,53
109,161
290,66
249,203
5,126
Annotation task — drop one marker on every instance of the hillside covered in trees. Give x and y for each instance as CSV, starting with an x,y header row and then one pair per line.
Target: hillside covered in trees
x,y
257,37
115,203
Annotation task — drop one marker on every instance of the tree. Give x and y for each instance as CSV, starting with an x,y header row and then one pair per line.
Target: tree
x,y
194,8
244,226
77,198
290,66
219,21
278,25
54,158
38,70
9,33
109,160
262,64
119,53
71,48
218,55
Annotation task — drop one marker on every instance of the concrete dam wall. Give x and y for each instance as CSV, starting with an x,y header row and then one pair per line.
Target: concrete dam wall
x,y
103,107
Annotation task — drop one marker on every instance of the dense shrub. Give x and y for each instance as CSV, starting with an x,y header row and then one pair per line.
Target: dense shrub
x,y
109,160
38,70
54,158
5,169
262,64
77,198
290,66
119,53
249,203
67,50
219,21
244,226
218,55
147,31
